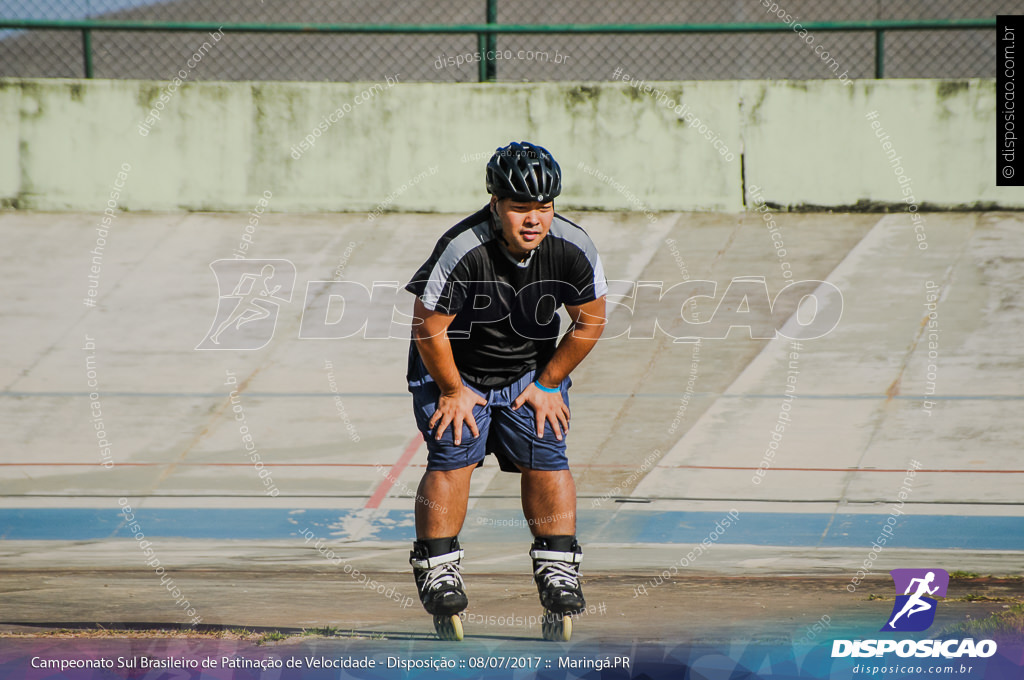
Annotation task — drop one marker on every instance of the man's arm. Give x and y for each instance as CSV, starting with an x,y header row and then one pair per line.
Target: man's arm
x,y
588,321
455,406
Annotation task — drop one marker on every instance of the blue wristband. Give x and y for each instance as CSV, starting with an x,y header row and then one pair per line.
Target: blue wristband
x,y
549,390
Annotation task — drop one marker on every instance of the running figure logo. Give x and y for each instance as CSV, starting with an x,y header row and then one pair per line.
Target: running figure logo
x,y
914,609
247,315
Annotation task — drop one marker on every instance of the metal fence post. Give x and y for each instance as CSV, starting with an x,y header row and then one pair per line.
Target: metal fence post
x,y
481,48
87,51
879,54
491,65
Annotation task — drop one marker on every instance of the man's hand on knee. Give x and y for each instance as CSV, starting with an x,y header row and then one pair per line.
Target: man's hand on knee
x,y
549,408
455,410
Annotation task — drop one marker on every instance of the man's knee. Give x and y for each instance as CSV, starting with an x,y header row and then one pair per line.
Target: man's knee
x,y
447,482
457,473
545,474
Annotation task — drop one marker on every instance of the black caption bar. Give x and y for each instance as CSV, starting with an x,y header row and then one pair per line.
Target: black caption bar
x,y
1009,157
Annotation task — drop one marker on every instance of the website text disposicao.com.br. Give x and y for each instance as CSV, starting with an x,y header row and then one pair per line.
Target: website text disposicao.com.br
x,y
901,670
460,60
919,657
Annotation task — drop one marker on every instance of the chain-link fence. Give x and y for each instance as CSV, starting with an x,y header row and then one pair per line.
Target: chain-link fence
x,y
530,57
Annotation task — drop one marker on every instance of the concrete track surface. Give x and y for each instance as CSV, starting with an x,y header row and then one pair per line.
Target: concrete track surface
x,y
668,434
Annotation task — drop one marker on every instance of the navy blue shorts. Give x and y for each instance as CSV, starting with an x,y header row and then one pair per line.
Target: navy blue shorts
x,y
510,435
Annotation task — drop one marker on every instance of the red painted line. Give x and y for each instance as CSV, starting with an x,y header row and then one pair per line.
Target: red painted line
x,y
190,464
396,469
799,469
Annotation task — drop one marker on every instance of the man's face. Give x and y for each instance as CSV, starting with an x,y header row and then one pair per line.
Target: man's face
x,y
524,224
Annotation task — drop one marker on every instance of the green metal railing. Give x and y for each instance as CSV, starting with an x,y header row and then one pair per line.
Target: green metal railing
x,y
487,33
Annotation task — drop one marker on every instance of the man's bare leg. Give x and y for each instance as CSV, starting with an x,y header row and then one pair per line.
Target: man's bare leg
x,y
441,502
436,555
549,502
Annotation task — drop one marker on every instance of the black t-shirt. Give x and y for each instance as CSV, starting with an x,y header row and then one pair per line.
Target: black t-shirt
x,y
505,311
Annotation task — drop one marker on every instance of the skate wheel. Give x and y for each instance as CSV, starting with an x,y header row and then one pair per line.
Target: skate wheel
x,y
449,627
556,627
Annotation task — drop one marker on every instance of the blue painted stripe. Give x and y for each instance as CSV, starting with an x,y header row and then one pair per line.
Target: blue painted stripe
x,y
814,530
936,532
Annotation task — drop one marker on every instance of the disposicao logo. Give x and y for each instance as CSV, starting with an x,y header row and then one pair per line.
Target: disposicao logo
x,y
914,611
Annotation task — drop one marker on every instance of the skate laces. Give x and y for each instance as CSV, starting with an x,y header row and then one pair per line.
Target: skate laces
x,y
558,575
447,574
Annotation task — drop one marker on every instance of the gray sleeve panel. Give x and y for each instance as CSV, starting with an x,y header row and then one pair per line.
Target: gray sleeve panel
x,y
457,249
563,229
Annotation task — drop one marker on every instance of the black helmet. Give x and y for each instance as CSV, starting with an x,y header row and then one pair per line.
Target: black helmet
x,y
524,172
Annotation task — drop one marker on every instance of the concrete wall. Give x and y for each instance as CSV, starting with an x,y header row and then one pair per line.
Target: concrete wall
x,y
220,146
